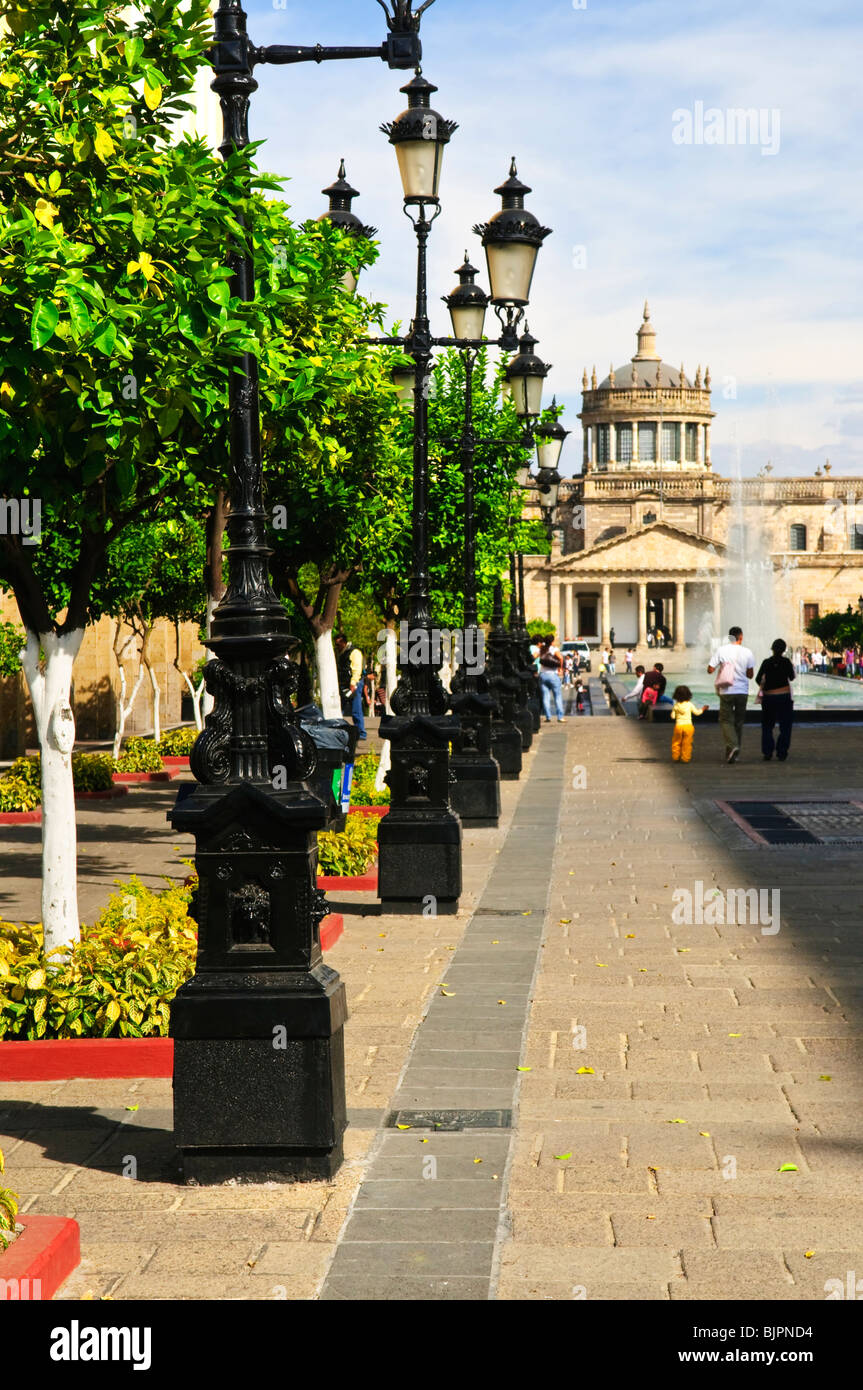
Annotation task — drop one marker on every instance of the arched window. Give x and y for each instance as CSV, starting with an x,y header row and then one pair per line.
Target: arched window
x,y
798,536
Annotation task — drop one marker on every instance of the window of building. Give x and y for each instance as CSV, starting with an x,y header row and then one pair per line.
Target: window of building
x,y
647,443
855,537
691,443
602,444
648,517
624,443
810,613
798,536
670,442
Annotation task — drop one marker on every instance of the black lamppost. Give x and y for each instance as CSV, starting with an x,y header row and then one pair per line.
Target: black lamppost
x,y
340,213
475,793
259,1087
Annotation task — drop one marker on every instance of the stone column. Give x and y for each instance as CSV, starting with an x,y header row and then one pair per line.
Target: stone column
x,y
699,446
553,600
679,616
612,444
707,459
634,443
569,627
606,612
681,425
586,448
594,447
642,613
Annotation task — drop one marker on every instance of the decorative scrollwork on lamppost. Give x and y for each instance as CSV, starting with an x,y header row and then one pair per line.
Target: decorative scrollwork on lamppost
x,y
259,1089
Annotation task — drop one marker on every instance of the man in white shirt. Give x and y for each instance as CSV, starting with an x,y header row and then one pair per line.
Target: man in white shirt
x,y
733,697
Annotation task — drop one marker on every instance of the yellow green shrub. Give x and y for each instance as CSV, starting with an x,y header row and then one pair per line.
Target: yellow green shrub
x,y
8,1208
118,981
351,851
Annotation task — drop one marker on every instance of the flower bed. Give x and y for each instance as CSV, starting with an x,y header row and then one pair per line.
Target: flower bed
x,y
363,789
116,986
347,855
127,777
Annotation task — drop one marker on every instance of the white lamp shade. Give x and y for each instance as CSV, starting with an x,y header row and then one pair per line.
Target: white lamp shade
x,y
548,452
510,270
522,476
404,380
349,282
527,394
552,495
420,167
468,321
505,390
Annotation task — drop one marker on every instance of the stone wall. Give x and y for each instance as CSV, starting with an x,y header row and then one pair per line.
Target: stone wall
x,y
96,682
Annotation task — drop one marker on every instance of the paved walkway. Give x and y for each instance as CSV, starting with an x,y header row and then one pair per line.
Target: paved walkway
x,y
626,1109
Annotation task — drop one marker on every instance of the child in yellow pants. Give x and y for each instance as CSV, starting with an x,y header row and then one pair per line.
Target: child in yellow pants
x,y
682,713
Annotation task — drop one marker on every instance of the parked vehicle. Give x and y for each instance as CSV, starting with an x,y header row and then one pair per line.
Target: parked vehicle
x,y
581,650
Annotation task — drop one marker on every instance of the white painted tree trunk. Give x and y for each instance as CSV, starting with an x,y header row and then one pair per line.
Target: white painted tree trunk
x,y
157,704
390,681
328,676
123,706
207,701
197,694
50,690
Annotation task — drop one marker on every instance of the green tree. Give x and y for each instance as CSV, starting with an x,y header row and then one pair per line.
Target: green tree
x,y
118,326
836,631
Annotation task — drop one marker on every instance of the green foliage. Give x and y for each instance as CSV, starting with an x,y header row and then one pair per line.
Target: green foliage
x,y
350,852
16,795
140,755
21,784
12,640
363,789
499,453
92,772
118,981
8,1207
541,627
118,327
836,631
177,743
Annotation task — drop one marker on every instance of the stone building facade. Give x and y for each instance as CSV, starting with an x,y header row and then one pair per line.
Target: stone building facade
x,y
651,537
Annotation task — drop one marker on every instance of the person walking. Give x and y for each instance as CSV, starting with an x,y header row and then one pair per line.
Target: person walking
x,y
611,637
653,686
611,663
682,713
629,657
734,665
774,678
550,663
350,669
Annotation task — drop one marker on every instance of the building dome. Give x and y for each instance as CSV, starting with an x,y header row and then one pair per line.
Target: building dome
x,y
642,375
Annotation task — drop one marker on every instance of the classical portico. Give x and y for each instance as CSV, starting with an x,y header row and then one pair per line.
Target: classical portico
x,y
662,577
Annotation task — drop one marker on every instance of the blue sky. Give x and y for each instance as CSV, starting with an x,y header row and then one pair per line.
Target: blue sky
x,y
751,261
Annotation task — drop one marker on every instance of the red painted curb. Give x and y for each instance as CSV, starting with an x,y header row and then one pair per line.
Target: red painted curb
x,y
21,817
41,1259
332,928
143,776
363,883
369,811
114,791
175,761
60,1059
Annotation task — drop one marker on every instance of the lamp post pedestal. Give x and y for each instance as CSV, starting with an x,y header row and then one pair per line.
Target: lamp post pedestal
x,y
506,739
419,868
476,792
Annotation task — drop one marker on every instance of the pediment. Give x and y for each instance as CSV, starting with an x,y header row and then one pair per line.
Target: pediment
x,y
657,548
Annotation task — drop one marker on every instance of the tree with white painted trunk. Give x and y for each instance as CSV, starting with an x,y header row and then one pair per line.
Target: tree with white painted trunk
x,y
118,327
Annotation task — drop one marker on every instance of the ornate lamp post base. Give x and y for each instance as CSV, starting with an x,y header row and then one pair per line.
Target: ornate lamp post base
x,y
419,842
476,793
259,1091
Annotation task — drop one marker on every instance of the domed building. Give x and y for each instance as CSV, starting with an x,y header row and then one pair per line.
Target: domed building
x,y
650,540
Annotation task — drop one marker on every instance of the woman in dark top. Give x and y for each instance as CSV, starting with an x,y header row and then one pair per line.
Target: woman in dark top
x,y
774,678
